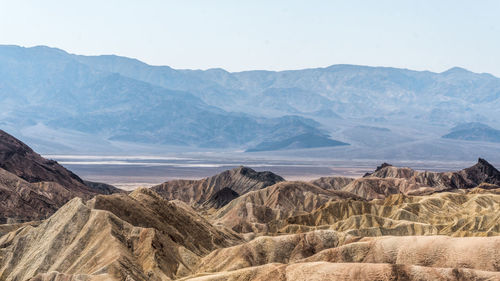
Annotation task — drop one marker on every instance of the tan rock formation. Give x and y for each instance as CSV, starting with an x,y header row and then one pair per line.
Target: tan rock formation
x,y
195,192
140,236
454,214
335,183
251,212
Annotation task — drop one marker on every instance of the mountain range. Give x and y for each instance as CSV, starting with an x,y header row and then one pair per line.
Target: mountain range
x,y
115,102
50,88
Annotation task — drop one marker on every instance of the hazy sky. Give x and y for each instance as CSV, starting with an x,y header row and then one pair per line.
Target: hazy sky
x,y
242,35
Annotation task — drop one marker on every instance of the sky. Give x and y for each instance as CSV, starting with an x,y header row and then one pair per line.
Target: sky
x,y
275,35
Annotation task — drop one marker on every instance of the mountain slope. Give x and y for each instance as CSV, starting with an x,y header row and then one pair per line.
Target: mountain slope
x,y
32,187
334,183
19,159
342,256
251,212
319,271
220,198
452,214
22,201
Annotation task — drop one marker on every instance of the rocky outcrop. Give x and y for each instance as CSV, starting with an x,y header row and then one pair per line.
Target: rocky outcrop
x,y
22,201
195,192
290,231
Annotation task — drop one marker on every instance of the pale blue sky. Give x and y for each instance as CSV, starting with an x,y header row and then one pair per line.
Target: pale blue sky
x,y
275,35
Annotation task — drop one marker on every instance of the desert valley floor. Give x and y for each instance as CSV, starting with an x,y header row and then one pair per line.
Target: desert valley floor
x,y
132,171
391,223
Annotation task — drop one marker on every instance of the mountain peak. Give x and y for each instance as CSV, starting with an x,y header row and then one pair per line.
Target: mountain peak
x,y
456,70
385,164
265,176
486,167
483,172
241,180
382,166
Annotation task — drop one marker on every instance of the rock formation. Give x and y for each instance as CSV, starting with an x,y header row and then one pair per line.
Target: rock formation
x,y
335,183
195,192
252,211
387,180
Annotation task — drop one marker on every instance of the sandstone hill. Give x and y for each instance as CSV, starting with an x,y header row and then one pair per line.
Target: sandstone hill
x,y
195,192
142,236
138,236
22,201
252,211
335,183
299,257
453,214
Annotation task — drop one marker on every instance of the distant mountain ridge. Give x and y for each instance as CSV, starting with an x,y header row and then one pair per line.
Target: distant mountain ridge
x,y
348,90
51,87
112,99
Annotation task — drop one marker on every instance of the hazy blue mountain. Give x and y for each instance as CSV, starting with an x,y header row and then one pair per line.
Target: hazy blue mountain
x,y
297,142
185,80
49,86
375,137
117,99
474,132
351,91
293,100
